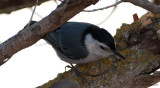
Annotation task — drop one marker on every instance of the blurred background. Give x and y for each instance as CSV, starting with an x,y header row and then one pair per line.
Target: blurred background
x,y
37,64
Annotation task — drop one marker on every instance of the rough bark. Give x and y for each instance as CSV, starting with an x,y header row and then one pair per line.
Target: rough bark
x,y
139,43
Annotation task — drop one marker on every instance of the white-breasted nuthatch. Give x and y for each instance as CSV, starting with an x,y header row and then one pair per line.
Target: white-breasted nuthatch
x,y
78,42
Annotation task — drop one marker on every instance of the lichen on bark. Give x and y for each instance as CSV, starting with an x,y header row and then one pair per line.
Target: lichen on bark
x,y
139,43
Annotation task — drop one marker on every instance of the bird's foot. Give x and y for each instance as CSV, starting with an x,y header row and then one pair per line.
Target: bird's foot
x,y
78,73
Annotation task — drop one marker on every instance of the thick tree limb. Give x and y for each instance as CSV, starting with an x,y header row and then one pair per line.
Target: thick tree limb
x,y
32,34
139,43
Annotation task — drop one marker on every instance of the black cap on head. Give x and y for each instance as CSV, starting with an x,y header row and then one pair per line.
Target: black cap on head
x,y
101,35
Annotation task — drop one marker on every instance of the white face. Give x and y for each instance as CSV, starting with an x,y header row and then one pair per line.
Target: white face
x,y
96,48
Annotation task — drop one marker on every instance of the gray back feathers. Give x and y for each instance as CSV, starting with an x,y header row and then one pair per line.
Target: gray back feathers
x,y
66,38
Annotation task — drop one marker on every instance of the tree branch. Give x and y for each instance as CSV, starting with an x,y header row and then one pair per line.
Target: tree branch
x,y
144,81
33,12
146,5
103,7
32,34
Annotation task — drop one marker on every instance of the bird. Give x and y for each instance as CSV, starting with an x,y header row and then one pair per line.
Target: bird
x,y
80,42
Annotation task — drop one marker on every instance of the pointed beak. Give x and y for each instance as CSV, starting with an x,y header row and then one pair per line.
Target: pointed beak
x,y
117,53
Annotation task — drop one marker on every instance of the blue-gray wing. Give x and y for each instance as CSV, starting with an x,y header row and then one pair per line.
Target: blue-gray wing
x,y
67,40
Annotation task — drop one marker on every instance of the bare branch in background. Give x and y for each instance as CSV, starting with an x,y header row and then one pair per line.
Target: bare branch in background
x,y
108,15
36,13
103,7
33,13
55,2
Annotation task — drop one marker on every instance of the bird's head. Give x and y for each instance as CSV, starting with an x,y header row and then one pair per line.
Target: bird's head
x,y
100,42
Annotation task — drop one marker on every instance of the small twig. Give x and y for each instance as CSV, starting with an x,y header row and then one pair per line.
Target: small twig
x,y
33,13
36,13
59,0
108,15
135,17
103,7
55,2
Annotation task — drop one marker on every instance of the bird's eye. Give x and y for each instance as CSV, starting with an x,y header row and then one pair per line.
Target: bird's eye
x,y
103,48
